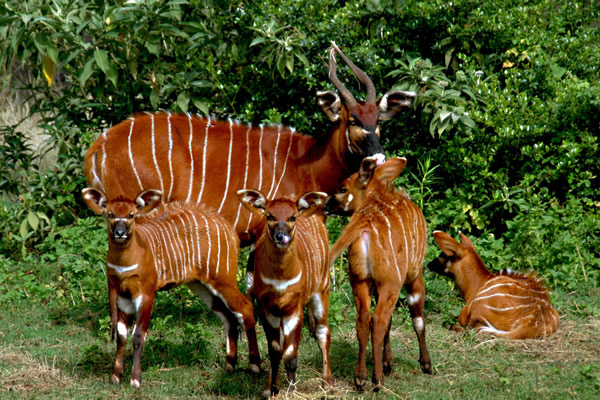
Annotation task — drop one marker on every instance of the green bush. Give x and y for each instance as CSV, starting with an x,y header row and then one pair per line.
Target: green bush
x,y
501,144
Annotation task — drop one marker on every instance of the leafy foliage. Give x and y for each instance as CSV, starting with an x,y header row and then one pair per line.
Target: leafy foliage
x,y
502,142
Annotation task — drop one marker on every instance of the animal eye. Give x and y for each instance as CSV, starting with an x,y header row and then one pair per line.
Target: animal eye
x,y
293,218
111,215
353,122
270,218
131,216
342,190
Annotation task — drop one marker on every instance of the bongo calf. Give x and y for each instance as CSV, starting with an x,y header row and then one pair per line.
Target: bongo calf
x,y
510,304
386,239
291,271
151,249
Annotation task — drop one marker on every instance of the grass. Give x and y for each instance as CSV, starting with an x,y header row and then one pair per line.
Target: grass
x,y
61,350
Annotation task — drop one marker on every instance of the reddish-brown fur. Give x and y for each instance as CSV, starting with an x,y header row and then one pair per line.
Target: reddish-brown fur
x,y
153,249
291,272
201,160
509,304
386,239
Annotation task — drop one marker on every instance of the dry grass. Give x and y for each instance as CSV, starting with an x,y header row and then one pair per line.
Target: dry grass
x,y
28,375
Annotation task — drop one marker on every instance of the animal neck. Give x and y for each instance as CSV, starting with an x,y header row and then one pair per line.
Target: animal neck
x,y
471,279
123,255
280,263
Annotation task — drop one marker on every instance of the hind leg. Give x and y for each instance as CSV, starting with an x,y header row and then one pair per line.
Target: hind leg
x,y
319,307
380,326
416,301
362,301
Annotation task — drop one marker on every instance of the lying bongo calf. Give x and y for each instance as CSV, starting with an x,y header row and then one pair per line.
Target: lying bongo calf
x,y
511,304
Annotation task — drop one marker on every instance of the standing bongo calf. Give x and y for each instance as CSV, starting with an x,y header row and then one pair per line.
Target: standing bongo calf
x,y
510,304
174,244
291,271
386,239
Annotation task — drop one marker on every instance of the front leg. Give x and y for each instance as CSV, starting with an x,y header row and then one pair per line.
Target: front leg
x,y
143,306
274,334
292,327
121,327
113,310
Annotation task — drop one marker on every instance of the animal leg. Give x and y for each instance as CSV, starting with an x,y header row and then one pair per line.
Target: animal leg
x,y
362,301
144,312
292,327
275,342
320,310
243,314
416,302
379,328
122,329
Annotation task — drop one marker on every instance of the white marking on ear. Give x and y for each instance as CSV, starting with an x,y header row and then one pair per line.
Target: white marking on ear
x,y
119,269
281,285
303,203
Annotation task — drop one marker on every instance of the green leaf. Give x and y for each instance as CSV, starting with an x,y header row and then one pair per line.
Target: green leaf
x,y
23,229
154,99
258,40
183,100
153,45
86,72
33,220
101,58
200,105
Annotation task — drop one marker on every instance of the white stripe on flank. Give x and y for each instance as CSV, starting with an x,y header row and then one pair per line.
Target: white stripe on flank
x,y
170,155
285,162
198,263
131,154
186,243
121,269
508,308
218,235
162,188
209,245
281,285
405,240
245,175
491,329
274,171
228,165
204,161
389,226
189,196
260,167
507,295
103,170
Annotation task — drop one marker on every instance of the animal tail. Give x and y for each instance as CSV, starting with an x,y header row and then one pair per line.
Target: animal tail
x,y
346,238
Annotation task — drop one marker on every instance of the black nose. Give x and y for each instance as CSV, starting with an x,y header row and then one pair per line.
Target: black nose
x,y
371,145
279,237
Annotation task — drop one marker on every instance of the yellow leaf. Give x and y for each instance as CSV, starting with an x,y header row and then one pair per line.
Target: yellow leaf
x,y
508,64
48,69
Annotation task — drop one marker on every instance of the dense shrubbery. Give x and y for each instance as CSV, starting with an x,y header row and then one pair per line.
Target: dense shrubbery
x,y
502,142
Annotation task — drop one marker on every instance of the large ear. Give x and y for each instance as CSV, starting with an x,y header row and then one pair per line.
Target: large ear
x,y
147,200
330,103
310,202
466,242
447,243
393,102
365,173
95,199
390,170
253,200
